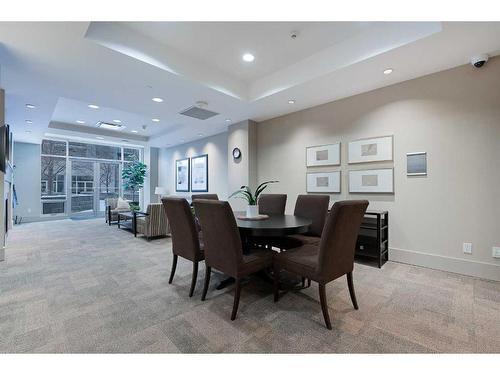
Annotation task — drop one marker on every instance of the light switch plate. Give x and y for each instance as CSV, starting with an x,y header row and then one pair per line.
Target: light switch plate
x,y
467,248
495,252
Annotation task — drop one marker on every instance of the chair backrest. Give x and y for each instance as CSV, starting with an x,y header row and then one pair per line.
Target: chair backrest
x,y
157,215
315,208
222,243
214,197
185,240
272,204
338,242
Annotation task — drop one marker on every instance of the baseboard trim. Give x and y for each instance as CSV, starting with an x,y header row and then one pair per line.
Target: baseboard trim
x,y
438,262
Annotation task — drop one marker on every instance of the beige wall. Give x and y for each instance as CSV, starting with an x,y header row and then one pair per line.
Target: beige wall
x,y
455,117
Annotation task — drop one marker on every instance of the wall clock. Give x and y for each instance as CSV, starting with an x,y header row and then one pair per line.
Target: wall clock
x,y
236,153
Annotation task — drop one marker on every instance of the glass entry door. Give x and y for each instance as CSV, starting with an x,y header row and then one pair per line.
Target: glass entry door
x,y
82,188
109,183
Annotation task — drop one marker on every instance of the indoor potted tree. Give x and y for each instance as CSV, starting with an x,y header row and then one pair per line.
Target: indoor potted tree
x,y
246,193
133,179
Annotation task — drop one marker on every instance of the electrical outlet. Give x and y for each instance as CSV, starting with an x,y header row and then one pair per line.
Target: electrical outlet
x,y
495,253
467,248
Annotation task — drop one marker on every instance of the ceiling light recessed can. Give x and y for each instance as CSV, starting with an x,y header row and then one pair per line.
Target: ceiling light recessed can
x,y
291,101
30,106
29,121
80,122
117,121
134,131
157,100
388,71
93,106
248,57
228,120
155,119
200,135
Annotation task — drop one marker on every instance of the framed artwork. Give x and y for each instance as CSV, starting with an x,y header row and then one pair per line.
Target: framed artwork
x,y
317,156
199,173
416,164
323,182
372,181
370,150
182,175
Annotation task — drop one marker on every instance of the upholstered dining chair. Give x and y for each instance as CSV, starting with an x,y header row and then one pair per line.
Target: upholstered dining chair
x,y
223,248
272,204
205,196
185,240
333,258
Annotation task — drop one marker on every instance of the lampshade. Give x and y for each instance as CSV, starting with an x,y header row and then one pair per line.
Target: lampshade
x,y
160,190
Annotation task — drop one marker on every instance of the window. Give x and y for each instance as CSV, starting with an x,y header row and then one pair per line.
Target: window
x,y
130,154
53,148
85,150
53,176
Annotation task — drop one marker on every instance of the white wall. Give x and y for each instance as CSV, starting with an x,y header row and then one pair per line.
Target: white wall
x,y
215,147
455,117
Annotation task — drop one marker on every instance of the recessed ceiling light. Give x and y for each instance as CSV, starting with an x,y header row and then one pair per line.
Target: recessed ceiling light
x,y
200,135
118,121
155,119
99,137
291,101
157,100
134,131
388,71
228,120
80,121
248,57
93,106
30,106
29,121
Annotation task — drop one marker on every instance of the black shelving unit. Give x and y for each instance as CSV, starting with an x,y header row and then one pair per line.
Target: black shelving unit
x,y
373,239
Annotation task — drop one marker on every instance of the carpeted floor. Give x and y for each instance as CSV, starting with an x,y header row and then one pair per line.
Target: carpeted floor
x,y
82,286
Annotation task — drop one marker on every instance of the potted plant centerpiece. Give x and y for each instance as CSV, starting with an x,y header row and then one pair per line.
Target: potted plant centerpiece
x,y
133,179
246,193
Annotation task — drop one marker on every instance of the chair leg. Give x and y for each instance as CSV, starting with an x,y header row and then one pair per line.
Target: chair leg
x,y
276,289
324,305
303,282
308,283
350,284
236,299
208,271
172,271
194,278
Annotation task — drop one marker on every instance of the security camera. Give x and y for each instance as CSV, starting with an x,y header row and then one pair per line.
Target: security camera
x,y
479,60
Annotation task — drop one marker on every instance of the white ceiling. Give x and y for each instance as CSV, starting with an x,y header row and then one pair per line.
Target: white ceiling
x,y
62,67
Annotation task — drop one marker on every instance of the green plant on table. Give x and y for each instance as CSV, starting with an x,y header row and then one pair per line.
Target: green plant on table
x,y
246,193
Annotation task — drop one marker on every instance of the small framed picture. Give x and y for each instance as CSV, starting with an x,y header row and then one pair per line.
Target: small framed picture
x,y
317,156
182,175
372,181
416,164
323,182
370,150
199,173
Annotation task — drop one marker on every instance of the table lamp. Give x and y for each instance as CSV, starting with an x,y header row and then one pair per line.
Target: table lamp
x,y
161,191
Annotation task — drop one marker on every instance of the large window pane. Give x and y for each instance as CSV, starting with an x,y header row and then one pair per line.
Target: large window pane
x,y
130,154
82,186
53,147
53,177
108,152
82,150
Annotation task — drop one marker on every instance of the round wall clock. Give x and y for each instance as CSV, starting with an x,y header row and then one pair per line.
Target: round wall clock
x,y
236,153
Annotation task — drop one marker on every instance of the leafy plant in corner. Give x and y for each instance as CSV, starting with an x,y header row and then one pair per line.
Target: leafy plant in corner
x,y
246,193
133,179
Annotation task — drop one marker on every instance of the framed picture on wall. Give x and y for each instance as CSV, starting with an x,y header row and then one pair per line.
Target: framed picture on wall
x,y
370,150
416,164
182,175
372,181
199,173
323,182
317,156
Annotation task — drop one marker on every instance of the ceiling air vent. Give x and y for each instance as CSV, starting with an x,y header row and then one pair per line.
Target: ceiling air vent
x,y
198,112
108,126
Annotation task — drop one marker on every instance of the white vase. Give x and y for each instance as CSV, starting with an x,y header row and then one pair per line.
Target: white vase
x,y
253,210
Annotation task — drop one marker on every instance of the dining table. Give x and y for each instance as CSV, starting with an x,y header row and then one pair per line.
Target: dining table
x,y
272,226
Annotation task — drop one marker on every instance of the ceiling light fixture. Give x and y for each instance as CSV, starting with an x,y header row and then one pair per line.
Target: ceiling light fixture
x,y
200,135
291,101
108,126
388,71
80,122
99,137
157,100
134,131
29,122
118,121
248,57
155,119
228,120
93,106
30,106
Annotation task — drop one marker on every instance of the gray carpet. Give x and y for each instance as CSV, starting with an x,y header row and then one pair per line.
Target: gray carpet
x,y
81,286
